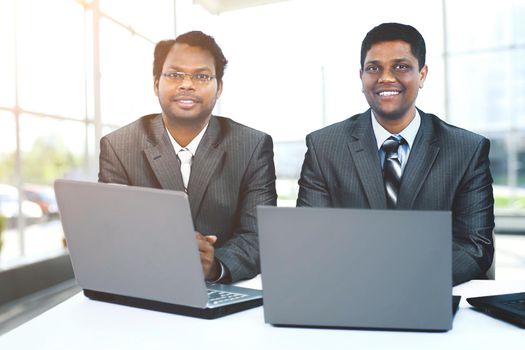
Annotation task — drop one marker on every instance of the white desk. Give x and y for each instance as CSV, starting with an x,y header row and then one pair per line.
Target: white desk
x,y
80,323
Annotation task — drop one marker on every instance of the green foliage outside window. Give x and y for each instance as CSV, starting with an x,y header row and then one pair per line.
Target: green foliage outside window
x,y
46,161
507,202
2,227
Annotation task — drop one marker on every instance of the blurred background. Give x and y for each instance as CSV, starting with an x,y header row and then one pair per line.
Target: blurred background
x,y
73,70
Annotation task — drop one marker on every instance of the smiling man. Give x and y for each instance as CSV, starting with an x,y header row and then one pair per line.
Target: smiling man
x,y
226,168
395,156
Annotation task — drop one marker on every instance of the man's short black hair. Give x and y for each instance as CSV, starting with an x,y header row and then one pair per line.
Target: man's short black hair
x,y
392,32
194,38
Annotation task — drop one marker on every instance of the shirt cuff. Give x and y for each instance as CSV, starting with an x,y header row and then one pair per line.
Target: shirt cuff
x,y
222,274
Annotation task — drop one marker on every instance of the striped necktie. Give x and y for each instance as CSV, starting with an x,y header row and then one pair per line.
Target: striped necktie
x,y
392,169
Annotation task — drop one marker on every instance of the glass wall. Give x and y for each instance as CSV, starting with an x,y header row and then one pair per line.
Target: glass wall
x,y
294,66
65,68
73,70
485,56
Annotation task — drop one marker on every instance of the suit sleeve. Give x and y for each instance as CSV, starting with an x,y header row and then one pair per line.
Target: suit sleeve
x,y
240,254
111,169
313,191
473,219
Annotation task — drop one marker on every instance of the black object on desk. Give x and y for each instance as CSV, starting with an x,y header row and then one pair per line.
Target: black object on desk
x,y
508,307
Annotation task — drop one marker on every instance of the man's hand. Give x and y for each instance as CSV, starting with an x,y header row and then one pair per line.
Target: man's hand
x,y
210,265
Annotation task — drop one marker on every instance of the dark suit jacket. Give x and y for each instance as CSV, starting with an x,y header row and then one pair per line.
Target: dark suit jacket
x,y
232,172
448,169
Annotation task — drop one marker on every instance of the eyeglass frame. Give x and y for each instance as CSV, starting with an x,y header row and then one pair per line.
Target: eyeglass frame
x,y
179,77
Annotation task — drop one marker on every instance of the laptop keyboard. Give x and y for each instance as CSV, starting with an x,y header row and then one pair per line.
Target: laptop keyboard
x,y
518,304
216,297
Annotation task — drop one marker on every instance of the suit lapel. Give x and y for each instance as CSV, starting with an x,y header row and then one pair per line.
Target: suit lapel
x,y
206,160
422,157
363,148
161,156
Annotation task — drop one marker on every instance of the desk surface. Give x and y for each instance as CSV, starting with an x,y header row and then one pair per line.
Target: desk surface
x,y
80,323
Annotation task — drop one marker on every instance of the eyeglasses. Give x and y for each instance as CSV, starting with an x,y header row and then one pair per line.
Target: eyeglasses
x,y
179,77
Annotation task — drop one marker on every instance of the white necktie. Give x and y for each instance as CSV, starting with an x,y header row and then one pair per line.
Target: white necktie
x,y
185,157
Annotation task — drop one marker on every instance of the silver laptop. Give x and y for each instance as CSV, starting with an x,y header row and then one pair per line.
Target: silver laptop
x,y
356,268
136,246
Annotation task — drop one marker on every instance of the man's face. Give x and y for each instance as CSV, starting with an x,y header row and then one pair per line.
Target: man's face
x,y
391,79
187,101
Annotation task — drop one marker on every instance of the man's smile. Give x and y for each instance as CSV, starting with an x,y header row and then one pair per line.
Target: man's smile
x,y
389,93
185,101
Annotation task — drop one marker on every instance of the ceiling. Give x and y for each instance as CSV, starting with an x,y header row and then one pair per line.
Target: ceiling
x,y
218,6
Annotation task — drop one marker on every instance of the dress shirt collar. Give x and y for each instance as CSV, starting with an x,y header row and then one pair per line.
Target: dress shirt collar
x,y
192,146
409,133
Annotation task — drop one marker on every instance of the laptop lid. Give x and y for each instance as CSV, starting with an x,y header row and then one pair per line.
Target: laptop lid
x,y
357,268
128,243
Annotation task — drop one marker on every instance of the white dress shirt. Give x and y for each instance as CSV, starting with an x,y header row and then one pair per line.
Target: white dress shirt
x,y
409,134
192,148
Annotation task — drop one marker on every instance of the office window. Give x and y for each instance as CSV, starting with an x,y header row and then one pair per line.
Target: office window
x,y
294,67
51,59
479,26
7,58
151,19
49,92
50,148
485,56
9,206
7,148
126,65
481,90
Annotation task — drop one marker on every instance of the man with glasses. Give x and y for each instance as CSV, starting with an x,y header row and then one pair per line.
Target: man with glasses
x,y
226,168
395,156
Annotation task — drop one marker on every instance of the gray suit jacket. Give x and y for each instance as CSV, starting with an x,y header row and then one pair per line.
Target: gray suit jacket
x,y
232,172
448,169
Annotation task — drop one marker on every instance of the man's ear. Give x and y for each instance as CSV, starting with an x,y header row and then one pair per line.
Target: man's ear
x,y
423,76
361,78
219,89
156,87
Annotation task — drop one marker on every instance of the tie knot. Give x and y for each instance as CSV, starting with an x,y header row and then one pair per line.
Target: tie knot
x,y
392,144
185,156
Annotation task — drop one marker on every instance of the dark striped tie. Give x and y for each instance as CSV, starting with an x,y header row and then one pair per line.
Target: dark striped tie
x,y
392,169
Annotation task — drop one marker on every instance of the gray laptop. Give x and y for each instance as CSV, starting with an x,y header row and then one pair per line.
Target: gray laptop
x,y
356,268
136,246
